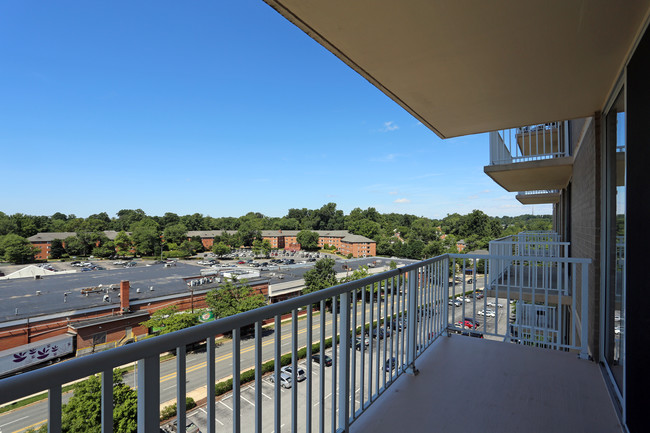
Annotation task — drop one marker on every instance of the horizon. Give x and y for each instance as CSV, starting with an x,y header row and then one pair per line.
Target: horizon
x,y
213,109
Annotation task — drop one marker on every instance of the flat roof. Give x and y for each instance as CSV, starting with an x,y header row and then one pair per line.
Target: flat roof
x,y
20,298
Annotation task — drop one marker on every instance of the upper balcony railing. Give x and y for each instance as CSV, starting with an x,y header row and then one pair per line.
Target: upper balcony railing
x,y
405,309
529,143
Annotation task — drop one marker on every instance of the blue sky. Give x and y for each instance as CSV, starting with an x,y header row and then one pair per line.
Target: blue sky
x,y
219,108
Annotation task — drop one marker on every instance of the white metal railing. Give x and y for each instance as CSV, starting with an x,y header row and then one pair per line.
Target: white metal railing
x,y
531,274
406,309
539,192
517,299
529,143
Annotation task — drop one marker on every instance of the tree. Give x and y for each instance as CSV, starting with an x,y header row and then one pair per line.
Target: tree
x,y
308,240
233,298
169,319
82,413
220,249
146,237
56,249
261,246
17,249
123,243
73,246
321,276
176,233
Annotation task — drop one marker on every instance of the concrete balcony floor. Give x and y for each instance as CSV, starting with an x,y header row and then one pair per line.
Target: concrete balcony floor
x,y
476,385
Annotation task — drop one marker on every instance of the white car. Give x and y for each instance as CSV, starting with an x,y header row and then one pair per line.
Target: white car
x,y
285,380
492,304
300,376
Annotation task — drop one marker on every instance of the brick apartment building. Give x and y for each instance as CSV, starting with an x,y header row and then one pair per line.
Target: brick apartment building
x,y
43,241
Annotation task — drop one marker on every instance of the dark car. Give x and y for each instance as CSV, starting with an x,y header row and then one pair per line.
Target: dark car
x,y
380,333
327,360
391,363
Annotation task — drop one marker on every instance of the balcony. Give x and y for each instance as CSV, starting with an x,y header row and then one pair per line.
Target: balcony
x,y
548,196
530,158
423,316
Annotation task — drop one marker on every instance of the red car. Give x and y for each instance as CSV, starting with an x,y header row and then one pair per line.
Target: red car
x,y
241,262
467,324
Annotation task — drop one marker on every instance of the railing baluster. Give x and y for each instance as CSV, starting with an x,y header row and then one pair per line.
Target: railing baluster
x,y
236,385
362,358
344,371
210,384
294,370
54,409
181,367
258,377
336,365
107,400
385,328
412,326
308,407
277,421
353,354
321,402
149,394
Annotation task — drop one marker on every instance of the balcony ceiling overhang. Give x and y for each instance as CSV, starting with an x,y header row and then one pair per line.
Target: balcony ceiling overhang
x,y
466,67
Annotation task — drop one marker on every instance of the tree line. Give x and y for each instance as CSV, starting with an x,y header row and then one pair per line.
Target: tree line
x,y
402,235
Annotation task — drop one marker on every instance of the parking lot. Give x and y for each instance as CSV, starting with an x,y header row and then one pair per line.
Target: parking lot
x,y
224,405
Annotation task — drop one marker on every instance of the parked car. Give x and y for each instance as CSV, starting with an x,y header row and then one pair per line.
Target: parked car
x,y
300,373
399,325
492,304
391,363
327,360
285,380
379,334
467,324
472,321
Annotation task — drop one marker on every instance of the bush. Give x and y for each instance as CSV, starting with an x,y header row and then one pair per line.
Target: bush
x,y
176,254
170,411
349,256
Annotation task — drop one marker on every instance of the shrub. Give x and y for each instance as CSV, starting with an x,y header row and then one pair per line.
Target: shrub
x,y
170,411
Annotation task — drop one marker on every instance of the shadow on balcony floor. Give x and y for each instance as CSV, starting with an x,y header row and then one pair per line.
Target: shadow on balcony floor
x,y
474,385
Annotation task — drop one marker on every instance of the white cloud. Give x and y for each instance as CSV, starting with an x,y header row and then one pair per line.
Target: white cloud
x,y
392,192
389,126
402,200
472,197
485,191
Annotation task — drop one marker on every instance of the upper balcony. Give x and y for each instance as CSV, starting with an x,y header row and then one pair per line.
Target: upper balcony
x,y
520,375
547,196
531,158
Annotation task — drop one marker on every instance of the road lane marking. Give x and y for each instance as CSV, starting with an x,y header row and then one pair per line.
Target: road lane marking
x,y
221,401
246,400
16,420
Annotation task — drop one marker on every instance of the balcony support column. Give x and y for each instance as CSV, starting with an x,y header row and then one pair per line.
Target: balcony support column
x,y
412,322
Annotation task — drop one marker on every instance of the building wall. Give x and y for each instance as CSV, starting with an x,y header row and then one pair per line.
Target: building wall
x,y
585,223
44,252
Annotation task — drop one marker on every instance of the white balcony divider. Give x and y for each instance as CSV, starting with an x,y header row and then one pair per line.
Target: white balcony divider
x,y
529,143
405,310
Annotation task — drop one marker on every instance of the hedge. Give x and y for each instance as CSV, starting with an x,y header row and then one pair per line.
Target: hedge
x,y
170,411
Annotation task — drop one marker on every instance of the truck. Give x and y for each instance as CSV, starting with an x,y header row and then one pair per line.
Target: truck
x,y
30,355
